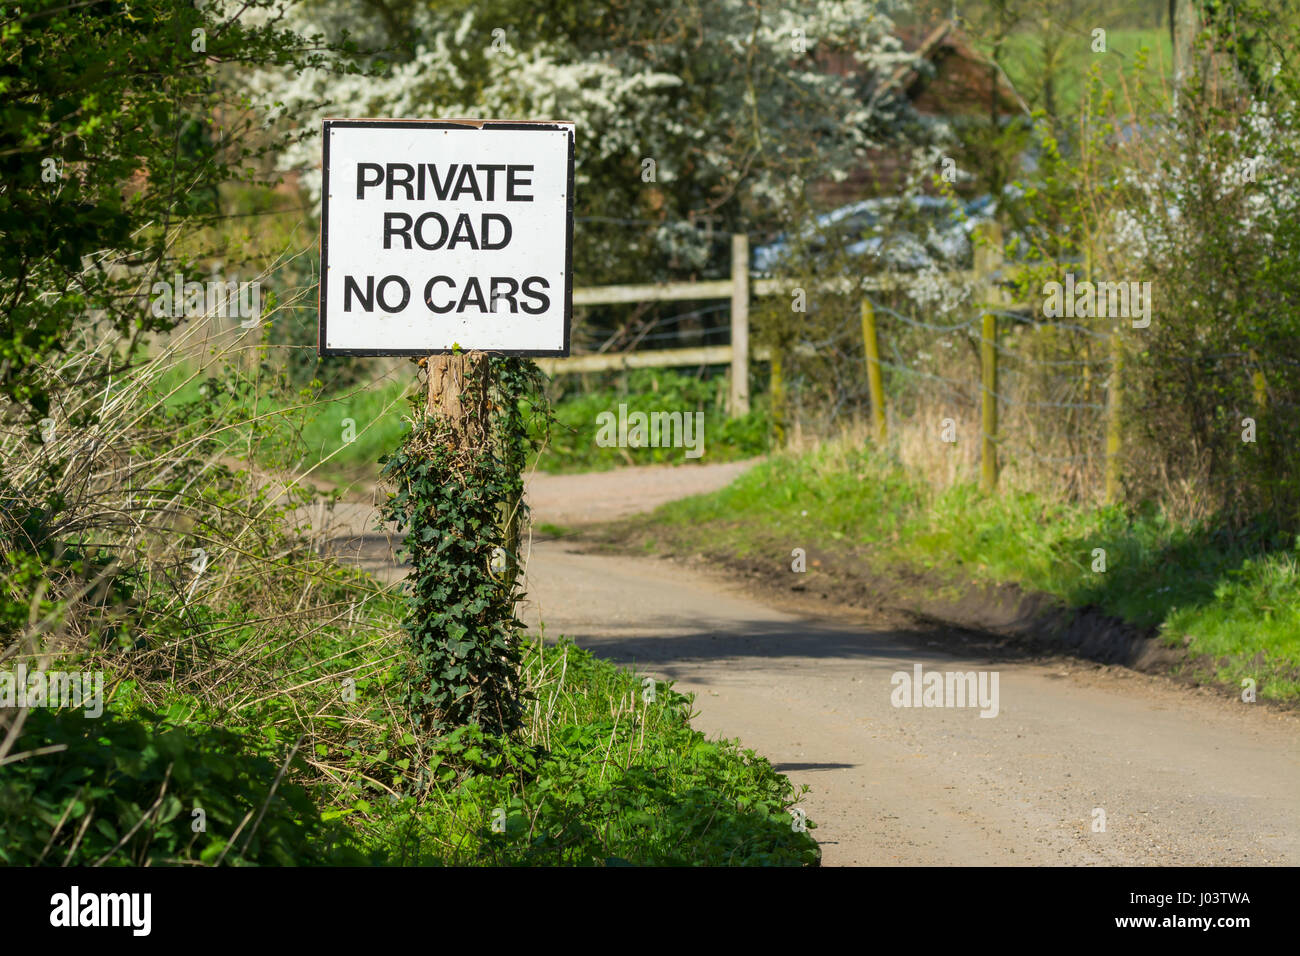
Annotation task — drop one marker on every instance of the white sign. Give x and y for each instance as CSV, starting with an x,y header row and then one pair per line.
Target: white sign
x,y
445,235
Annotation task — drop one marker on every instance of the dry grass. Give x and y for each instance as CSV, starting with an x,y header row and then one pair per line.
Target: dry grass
x,y
165,556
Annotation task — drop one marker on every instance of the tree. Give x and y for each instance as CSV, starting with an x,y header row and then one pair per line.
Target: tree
x,y
683,110
109,144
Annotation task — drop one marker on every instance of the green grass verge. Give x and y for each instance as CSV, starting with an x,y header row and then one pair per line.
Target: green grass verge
x,y
253,721
573,442
607,771
603,776
339,433
1229,597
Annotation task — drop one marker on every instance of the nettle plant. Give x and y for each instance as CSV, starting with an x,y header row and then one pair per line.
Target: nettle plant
x,y
459,501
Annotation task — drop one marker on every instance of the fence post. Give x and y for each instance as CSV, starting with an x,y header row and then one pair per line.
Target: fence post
x,y
739,325
446,383
1115,394
988,258
1259,384
776,395
871,341
989,404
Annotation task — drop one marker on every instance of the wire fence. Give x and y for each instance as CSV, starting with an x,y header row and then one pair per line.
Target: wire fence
x,y
969,385
1047,389
1002,395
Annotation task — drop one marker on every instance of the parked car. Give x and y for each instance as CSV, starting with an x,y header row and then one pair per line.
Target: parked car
x,y
894,234
890,233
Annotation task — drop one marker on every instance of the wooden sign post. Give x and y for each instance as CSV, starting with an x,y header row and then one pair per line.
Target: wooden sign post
x,y
447,375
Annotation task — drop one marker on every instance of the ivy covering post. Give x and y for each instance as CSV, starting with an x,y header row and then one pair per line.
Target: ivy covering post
x,y
458,498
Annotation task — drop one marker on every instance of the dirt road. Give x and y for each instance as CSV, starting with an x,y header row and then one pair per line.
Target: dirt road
x,y
1173,776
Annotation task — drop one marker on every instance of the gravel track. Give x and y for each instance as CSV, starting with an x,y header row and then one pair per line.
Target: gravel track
x,y
1183,777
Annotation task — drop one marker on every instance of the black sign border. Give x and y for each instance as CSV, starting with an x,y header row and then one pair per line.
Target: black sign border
x,y
329,124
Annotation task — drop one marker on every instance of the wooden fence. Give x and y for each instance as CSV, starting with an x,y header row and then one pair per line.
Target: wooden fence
x,y
738,354
740,287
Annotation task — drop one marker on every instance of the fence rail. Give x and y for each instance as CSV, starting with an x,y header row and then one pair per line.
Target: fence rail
x,y
648,358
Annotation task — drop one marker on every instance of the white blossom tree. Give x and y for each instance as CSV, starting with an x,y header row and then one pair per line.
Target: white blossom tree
x,y
722,112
